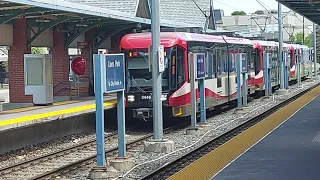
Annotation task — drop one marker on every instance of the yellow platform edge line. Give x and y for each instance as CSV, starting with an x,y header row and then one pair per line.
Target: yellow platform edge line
x,y
209,165
54,113
24,109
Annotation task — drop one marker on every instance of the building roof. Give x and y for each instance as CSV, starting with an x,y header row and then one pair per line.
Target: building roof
x,y
126,6
185,11
110,9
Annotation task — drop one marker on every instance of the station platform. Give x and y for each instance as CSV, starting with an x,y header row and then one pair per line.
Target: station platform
x,y
59,110
283,146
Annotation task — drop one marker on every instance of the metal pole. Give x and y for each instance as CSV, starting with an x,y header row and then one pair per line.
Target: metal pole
x,y
238,59
99,109
286,79
315,49
156,75
212,16
202,101
280,55
245,89
302,29
298,69
121,124
265,74
193,92
269,82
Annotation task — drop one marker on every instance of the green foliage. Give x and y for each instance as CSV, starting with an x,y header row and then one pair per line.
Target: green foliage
x,y
259,12
238,13
35,50
298,38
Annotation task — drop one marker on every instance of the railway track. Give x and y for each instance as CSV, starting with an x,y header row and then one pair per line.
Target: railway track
x,y
184,160
53,165
61,157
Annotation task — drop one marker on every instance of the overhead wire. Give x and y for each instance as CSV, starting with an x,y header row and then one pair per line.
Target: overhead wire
x,y
264,6
227,5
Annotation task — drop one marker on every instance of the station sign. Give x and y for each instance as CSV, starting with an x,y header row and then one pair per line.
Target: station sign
x,y
81,44
114,73
200,65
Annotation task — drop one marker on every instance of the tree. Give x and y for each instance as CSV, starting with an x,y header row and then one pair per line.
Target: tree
x,y
36,50
238,13
258,12
298,38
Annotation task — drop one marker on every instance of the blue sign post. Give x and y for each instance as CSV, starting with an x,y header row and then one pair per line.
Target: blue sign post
x,y
201,75
115,82
109,77
98,87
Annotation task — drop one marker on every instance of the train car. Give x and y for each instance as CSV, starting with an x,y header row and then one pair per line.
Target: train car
x,y
299,53
292,62
220,82
262,49
302,53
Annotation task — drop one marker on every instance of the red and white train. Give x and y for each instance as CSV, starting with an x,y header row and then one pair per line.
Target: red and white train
x,y
220,82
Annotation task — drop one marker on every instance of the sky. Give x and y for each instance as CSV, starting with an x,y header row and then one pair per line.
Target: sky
x,y
248,6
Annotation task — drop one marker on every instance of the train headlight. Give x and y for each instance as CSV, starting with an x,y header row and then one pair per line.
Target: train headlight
x,y
130,98
163,97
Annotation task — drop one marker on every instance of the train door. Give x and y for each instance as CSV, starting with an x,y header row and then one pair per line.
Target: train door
x,y
251,68
258,67
219,69
222,74
211,80
232,78
274,66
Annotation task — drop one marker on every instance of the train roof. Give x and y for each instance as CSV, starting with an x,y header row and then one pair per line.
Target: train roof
x,y
169,39
264,43
300,46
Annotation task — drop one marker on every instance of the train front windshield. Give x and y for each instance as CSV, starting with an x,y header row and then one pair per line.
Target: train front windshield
x,y
138,77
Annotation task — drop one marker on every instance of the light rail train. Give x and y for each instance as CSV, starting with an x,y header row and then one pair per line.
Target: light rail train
x,y
221,72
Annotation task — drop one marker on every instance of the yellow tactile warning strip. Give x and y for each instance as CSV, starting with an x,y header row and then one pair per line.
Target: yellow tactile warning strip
x,y
54,113
37,107
210,164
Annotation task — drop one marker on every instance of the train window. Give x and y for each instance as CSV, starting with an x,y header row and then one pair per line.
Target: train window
x,y
251,57
257,58
180,66
233,63
210,65
173,69
222,59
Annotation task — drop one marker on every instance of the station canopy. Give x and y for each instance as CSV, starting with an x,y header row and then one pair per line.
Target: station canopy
x,y
307,8
75,18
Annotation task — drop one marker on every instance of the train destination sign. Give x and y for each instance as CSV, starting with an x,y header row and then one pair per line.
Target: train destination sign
x,y
115,73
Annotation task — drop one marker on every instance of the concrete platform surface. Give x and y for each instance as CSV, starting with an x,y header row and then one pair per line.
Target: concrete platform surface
x,y
50,113
290,152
